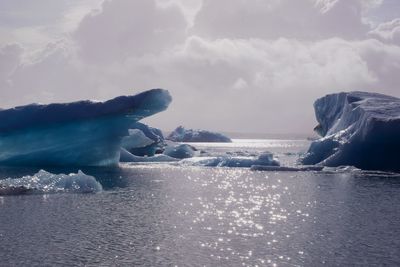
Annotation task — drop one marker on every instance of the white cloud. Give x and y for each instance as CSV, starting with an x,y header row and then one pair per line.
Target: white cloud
x,y
305,19
223,73
125,28
388,31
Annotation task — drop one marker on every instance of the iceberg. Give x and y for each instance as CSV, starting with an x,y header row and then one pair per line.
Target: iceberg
x,y
286,169
45,182
265,159
181,134
358,129
136,139
181,151
126,156
83,133
143,140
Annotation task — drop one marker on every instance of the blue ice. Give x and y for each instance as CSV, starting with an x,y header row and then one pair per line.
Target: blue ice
x,y
83,133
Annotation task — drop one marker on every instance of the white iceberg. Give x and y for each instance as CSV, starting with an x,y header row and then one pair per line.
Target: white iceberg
x,y
143,140
181,134
136,139
83,133
359,129
265,159
126,156
179,151
46,182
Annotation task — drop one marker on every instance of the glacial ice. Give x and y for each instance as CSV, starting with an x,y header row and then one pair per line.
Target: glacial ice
x,y
83,133
359,129
179,151
136,139
265,159
145,147
286,169
126,156
181,134
46,182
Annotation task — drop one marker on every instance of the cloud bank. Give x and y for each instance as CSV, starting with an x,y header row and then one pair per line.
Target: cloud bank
x,y
243,66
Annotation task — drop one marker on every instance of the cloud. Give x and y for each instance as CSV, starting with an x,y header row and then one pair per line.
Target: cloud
x,y
10,58
125,28
388,31
273,82
304,19
260,73
33,24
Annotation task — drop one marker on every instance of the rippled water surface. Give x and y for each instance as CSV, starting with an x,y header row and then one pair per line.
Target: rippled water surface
x,y
165,215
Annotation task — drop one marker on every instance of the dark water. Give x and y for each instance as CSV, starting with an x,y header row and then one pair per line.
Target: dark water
x,y
162,215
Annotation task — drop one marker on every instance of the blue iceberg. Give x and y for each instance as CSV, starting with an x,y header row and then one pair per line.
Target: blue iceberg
x,y
358,129
181,134
83,133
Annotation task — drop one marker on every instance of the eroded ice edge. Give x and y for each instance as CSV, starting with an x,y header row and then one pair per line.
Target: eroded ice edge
x,y
45,182
358,129
82,133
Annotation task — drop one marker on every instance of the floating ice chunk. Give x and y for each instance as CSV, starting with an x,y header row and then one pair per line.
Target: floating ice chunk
x,y
286,169
128,157
181,134
136,139
265,159
154,134
359,129
82,133
46,182
180,151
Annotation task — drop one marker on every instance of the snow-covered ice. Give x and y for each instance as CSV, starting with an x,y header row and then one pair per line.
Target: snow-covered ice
x,y
46,182
359,129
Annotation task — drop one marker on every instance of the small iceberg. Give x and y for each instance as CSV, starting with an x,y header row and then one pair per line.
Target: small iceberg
x,y
126,156
181,134
45,182
265,159
143,140
180,151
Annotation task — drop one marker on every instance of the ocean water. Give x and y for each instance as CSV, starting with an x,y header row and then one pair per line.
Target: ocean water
x,y
173,215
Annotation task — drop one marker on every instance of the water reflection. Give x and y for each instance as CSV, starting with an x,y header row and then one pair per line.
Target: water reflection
x,y
167,215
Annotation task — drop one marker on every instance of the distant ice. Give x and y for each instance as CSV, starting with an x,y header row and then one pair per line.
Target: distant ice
x,y
181,134
180,151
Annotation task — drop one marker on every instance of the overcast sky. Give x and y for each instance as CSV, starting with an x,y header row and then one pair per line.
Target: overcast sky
x,y
230,65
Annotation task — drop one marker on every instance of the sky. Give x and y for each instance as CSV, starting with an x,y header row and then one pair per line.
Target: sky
x,y
252,66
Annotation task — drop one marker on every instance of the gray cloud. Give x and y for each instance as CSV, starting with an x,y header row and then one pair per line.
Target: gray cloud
x,y
126,28
258,73
305,19
388,31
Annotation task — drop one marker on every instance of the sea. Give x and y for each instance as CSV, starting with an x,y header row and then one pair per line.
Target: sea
x,y
171,214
